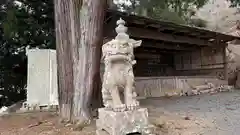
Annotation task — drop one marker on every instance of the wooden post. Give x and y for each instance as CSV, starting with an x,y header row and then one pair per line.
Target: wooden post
x,y
225,61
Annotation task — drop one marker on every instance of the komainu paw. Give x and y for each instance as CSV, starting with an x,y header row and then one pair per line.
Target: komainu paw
x,y
119,108
133,106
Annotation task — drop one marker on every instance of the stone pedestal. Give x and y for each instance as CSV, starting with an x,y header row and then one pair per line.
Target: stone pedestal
x,y
123,123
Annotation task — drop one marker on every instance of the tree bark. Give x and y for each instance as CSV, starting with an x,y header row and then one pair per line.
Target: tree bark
x,y
64,57
87,59
79,31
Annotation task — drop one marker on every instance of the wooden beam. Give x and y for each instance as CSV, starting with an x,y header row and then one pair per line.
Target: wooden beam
x,y
144,51
161,45
168,46
150,34
225,60
155,35
144,33
147,56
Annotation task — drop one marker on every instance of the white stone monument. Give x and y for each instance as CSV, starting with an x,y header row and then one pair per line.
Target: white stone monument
x,y
42,89
122,114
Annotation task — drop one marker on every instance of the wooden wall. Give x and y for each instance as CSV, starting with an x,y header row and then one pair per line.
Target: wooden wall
x,y
208,61
161,64
205,61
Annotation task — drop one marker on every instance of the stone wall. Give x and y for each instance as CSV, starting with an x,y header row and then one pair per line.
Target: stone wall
x,y
161,86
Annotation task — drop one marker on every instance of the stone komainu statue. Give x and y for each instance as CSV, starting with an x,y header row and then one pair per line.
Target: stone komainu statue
x,y
118,79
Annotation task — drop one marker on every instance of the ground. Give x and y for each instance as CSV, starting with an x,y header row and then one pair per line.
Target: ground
x,y
217,114
220,111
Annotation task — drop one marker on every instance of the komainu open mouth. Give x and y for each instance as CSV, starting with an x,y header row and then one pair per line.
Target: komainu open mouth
x,y
117,53
118,56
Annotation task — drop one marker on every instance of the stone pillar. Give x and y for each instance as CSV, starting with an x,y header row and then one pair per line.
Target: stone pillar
x,y
42,78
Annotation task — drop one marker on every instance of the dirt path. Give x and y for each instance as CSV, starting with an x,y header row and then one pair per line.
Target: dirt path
x,y
217,114
221,111
40,123
48,124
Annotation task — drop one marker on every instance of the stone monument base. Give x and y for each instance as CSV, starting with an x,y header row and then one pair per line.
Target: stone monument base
x,y
123,123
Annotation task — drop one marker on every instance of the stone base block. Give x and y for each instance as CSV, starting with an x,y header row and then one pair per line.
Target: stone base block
x,y
123,123
28,108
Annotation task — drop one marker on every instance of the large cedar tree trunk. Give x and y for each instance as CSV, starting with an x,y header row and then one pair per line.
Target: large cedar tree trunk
x,y
64,57
79,30
87,57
